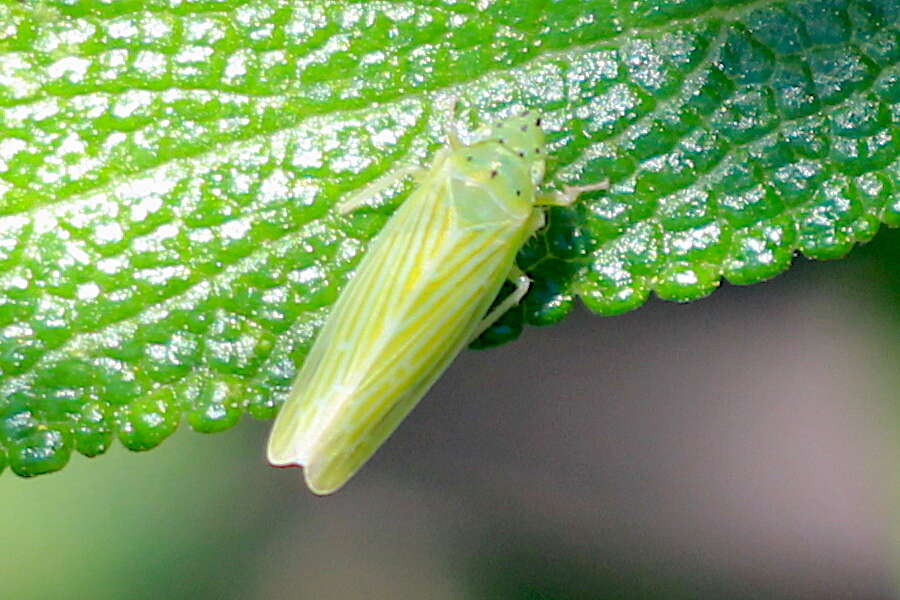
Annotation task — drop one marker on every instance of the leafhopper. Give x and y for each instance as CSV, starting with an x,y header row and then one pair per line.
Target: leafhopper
x,y
419,295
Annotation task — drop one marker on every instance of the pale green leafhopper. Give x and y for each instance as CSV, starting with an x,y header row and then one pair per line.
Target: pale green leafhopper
x,y
419,295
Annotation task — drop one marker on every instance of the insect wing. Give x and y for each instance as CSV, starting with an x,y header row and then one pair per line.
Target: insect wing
x,y
417,297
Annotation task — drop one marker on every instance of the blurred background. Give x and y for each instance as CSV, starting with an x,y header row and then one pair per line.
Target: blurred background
x,y
745,446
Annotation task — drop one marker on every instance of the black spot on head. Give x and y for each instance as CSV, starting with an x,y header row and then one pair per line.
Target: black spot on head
x,y
538,122
518,192
493,173
469,158
537,150
500,140
521,155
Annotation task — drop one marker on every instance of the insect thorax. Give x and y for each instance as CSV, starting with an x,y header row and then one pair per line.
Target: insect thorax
x,y
496,178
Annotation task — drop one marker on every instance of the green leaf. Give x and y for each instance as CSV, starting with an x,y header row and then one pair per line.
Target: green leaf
x,y
168,168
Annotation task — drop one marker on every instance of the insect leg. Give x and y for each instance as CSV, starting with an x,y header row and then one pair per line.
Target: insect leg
x,y
569,194
522,282
538,219
361,197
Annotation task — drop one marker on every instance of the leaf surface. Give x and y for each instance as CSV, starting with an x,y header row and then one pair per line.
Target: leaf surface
x,y
168,170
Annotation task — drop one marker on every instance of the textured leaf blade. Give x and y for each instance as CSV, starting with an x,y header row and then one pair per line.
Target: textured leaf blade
x,y
168,168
